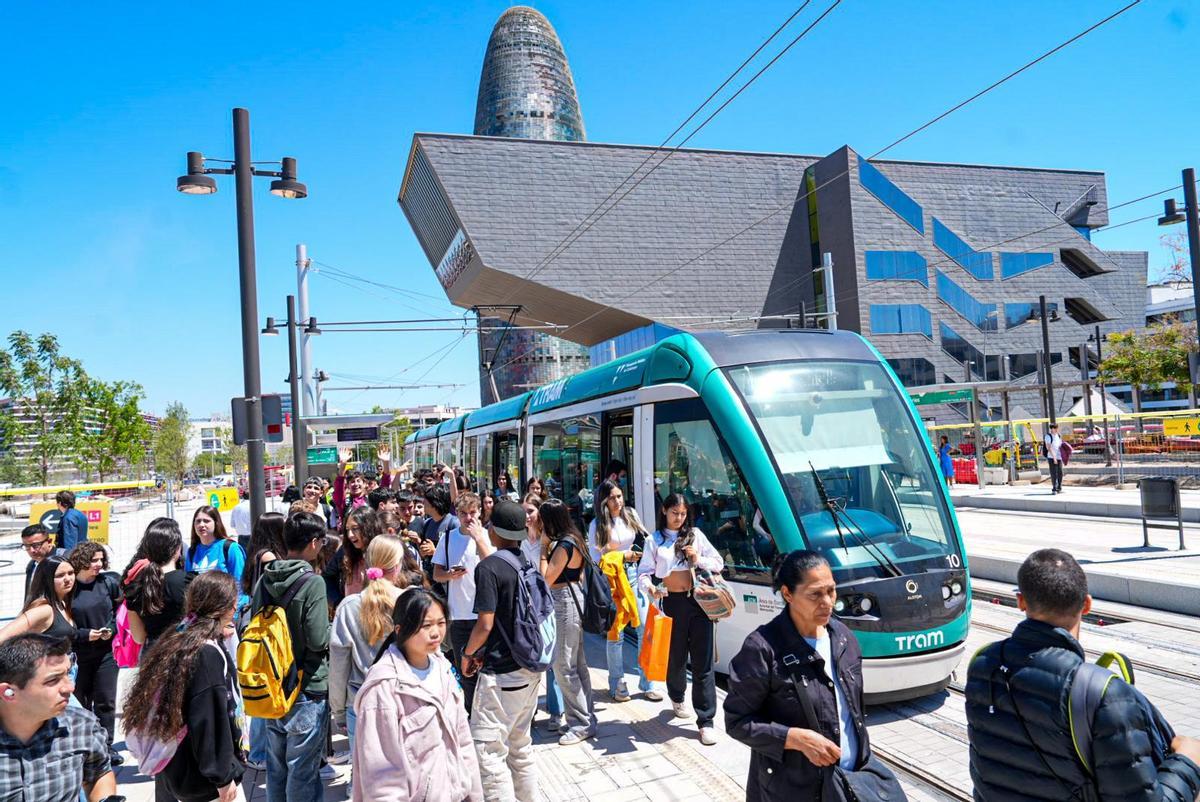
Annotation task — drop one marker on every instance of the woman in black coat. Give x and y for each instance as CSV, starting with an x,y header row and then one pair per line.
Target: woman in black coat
x,y
798,715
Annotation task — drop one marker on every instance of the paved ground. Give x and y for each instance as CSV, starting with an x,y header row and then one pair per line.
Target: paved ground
x,y
1106,501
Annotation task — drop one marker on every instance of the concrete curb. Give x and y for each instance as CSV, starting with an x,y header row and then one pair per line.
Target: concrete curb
x,y
1064,506
1105,586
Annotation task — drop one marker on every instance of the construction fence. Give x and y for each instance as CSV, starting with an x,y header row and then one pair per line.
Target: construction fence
x,y
1117,447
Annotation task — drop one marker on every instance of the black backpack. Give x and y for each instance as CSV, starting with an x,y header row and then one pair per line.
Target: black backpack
x,y
598,611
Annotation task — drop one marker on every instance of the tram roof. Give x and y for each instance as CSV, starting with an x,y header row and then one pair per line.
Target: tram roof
x,y
670,360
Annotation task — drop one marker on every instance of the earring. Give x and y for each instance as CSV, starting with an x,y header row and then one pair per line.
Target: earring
x,y
9,693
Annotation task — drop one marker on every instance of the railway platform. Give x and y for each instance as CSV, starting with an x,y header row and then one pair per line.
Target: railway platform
x,y
1102,502
1119,567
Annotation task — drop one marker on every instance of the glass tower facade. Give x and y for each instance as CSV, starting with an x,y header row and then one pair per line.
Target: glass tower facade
x,y
526,91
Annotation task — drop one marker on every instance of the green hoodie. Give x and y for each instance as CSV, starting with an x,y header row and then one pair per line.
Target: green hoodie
x,y
307,617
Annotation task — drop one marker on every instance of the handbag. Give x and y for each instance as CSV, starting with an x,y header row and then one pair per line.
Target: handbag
x,y
712,594
656,645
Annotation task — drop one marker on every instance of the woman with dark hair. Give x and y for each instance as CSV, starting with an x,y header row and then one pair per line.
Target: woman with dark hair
x,y
190,680
266,544
803,658
505,487
562,564
154,583
534,549
945,461
413,740
94,602
488,501
47,607
537,487
617,527
346,573
667,572
212,549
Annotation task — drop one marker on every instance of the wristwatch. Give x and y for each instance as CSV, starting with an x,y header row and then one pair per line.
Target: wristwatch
x,y
114,798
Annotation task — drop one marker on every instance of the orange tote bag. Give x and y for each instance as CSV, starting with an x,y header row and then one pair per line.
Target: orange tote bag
x,y
656,645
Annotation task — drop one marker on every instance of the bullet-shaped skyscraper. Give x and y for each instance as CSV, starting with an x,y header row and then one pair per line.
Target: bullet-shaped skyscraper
x,y
526,91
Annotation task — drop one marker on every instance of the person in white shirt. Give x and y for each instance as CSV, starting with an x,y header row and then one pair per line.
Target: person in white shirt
x,y
454,561
1054,445
666,573
617,527
239,519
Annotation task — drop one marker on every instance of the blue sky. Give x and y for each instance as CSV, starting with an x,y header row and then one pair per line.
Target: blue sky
x,y
140,282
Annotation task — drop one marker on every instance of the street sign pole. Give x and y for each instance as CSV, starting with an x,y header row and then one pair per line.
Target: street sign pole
x,y
299,454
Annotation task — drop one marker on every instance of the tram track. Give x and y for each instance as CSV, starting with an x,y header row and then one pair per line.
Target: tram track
x,y
934,786
1139,665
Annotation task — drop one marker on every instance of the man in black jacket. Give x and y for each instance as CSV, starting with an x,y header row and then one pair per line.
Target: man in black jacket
x,y
1017,709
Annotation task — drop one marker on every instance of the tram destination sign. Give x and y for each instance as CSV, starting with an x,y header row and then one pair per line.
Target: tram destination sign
x,y
941,397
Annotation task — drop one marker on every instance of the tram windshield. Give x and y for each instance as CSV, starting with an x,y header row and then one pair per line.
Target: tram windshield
x,y
841,430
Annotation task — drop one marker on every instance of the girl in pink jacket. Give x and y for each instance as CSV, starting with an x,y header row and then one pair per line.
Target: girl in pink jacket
x,y
413,742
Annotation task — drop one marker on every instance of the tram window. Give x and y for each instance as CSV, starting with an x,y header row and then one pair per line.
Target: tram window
x,y
508,461
566,457
620,449
448,450
690,459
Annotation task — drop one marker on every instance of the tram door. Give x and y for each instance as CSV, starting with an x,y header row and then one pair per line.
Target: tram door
x,y
618,445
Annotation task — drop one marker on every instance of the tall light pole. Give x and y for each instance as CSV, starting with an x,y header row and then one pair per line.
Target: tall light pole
x,y
1103,394
299,427
1048,366
197,182
308,383
1191,214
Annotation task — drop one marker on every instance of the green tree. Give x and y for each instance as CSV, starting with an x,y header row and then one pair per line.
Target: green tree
x,y
48,395
208,465
171,442
118,435
1147,359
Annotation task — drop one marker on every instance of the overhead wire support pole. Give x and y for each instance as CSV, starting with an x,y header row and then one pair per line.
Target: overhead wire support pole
x,y
299,433
308,382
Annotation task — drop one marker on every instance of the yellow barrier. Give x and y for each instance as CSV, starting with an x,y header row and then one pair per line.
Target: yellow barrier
x,y
47,489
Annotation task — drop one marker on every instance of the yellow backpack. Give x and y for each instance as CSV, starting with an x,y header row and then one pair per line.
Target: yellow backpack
x,y
266,665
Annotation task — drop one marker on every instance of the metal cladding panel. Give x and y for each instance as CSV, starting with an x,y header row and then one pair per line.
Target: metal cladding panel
x,y
427,208
780,345
511,409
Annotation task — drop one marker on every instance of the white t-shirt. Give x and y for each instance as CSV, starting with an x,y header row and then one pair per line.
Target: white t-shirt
x,y
1054,447
455,548
622,534
239,519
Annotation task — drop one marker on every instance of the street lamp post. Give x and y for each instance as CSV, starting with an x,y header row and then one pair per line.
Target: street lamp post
x,y
197,182
1103,396
1047,366
1191,214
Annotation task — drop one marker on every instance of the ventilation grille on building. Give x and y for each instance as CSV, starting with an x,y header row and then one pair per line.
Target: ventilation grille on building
x,y
428,208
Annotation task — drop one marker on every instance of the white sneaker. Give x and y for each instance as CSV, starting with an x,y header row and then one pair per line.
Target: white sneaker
x,y
621,694
708,735
572,737
653,695
681,710
328,772
340,758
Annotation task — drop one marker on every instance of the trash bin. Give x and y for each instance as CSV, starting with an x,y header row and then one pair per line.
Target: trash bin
x,y
1160,501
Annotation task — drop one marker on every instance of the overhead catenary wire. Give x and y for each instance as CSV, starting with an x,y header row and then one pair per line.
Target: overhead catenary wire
x,y
792,204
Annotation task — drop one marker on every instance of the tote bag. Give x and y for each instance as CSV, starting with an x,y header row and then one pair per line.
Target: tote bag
x,y
656,645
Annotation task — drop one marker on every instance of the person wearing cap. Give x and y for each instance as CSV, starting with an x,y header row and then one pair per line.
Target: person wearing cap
x,y
505,694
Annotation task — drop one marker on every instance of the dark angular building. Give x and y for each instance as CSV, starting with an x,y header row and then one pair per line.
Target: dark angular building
x,y
525,91
939,265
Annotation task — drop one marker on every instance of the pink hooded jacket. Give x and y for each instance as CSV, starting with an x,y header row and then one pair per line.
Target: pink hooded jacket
x,y
409,744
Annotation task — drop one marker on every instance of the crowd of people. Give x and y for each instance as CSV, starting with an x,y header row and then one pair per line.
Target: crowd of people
x,y
423,620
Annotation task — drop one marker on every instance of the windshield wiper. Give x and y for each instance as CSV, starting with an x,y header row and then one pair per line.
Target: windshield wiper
x,y
864,540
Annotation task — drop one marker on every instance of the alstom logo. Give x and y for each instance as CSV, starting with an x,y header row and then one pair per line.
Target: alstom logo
x,y
923,640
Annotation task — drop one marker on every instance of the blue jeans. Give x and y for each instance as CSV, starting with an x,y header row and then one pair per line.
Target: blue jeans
x,y
554,700
295,746
258,740
351,725
615,650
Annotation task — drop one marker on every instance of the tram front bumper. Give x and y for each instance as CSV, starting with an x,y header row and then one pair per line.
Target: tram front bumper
x,y
891,679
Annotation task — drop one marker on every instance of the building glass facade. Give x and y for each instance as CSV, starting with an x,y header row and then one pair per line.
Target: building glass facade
x,y
526,91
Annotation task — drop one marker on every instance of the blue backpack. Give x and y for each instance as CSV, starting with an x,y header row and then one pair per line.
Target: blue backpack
x,y
534,630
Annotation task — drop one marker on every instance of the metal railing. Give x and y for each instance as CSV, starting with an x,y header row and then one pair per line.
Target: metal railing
x,y
1119,446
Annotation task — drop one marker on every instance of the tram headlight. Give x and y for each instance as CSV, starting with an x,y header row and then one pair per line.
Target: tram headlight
x,y
866,604
956,587
946,593
839,606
